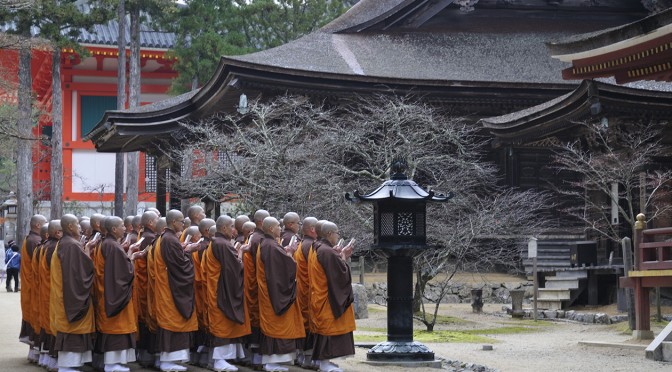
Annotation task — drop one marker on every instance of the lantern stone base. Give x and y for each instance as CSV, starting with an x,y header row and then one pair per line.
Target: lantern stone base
x,y
400,351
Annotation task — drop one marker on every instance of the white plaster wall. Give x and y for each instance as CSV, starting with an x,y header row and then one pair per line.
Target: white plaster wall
x,y
93,172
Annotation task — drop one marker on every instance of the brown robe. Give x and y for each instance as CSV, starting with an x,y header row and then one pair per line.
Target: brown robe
x,y
35,295
174,295
279,315
152,346
47,336
70,303
225,298
286,237
331,298
251,287
140,288
115,312
28,285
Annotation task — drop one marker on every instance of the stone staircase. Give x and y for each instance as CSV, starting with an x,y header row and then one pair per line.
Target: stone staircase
x,y
561,289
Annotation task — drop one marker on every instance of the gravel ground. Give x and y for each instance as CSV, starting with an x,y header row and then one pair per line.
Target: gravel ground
x,y
555,348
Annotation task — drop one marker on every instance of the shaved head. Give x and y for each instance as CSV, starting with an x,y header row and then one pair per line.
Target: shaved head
x,y
259,217
196,214
155,211
213,230
148,217
173,215
240,220
54,230
96,220
161,224
271,225
248,227
225,220
318,228
112,221
36,222
291,217
70,225
86,227
44,231
205,225
128,221
193,231
308,227
137,222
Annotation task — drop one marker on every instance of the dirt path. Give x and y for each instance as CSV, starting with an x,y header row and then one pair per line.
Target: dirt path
x,y
554,347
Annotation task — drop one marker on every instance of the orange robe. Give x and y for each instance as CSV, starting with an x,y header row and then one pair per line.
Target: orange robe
x,y
199,288
35,295
70,300
225,299
174,287
28,285
44,272
113,286
279,314
141,278
302,279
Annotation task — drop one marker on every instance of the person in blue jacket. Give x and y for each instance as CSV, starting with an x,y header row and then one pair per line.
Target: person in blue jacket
x,y
13,262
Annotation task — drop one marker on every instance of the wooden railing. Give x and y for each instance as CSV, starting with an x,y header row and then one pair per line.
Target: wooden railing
x,y
654,248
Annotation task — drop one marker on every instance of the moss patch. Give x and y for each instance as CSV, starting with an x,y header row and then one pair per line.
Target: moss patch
x,y
444,319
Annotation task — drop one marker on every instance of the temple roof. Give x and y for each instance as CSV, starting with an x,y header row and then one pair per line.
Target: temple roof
x,y
488,60
591,98
641,50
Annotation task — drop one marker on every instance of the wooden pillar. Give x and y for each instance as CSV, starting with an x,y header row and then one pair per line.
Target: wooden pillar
x,y
175,171
642,309
592,288
161,186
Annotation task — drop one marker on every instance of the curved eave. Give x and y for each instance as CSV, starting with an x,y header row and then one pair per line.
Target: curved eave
x,y
582,46
548,119
135,128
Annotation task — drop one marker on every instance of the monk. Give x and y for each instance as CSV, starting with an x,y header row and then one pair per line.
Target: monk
x,y
128,224
136,223
228,321
35,294
291,228
195,214
155,211
251,288
70,302
303,286
248,229
95,237
148,222
279,314
200,355
174,296
239,222
28,278
115,312
47,338
331,298
152,347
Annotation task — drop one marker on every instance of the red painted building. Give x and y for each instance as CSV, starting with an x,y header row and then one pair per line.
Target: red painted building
x,y
89,87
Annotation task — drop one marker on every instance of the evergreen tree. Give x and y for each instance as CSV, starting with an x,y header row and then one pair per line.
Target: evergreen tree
x,y
209,29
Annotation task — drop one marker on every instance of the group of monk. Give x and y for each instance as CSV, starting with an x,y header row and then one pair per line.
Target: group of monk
x,y
214,294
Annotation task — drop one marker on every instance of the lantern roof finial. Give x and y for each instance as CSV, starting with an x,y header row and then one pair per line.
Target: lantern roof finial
x,y
398,168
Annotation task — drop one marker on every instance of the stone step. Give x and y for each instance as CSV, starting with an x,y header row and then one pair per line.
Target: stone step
x,y
574,274
561,283
553,294
549,305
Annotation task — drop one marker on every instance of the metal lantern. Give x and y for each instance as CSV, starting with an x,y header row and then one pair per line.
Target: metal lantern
x,y
400,226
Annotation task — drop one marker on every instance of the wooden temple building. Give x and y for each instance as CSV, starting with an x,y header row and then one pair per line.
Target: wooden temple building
x,y
487,60
89,88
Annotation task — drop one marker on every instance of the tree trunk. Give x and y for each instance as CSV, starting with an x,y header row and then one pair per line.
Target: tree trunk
x,y
132,159
56,181
24,148
121,104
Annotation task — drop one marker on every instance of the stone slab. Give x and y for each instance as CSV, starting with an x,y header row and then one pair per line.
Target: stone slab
x,y
436,363
613,344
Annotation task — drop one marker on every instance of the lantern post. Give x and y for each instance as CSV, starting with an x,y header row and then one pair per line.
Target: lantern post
x,y
400,226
